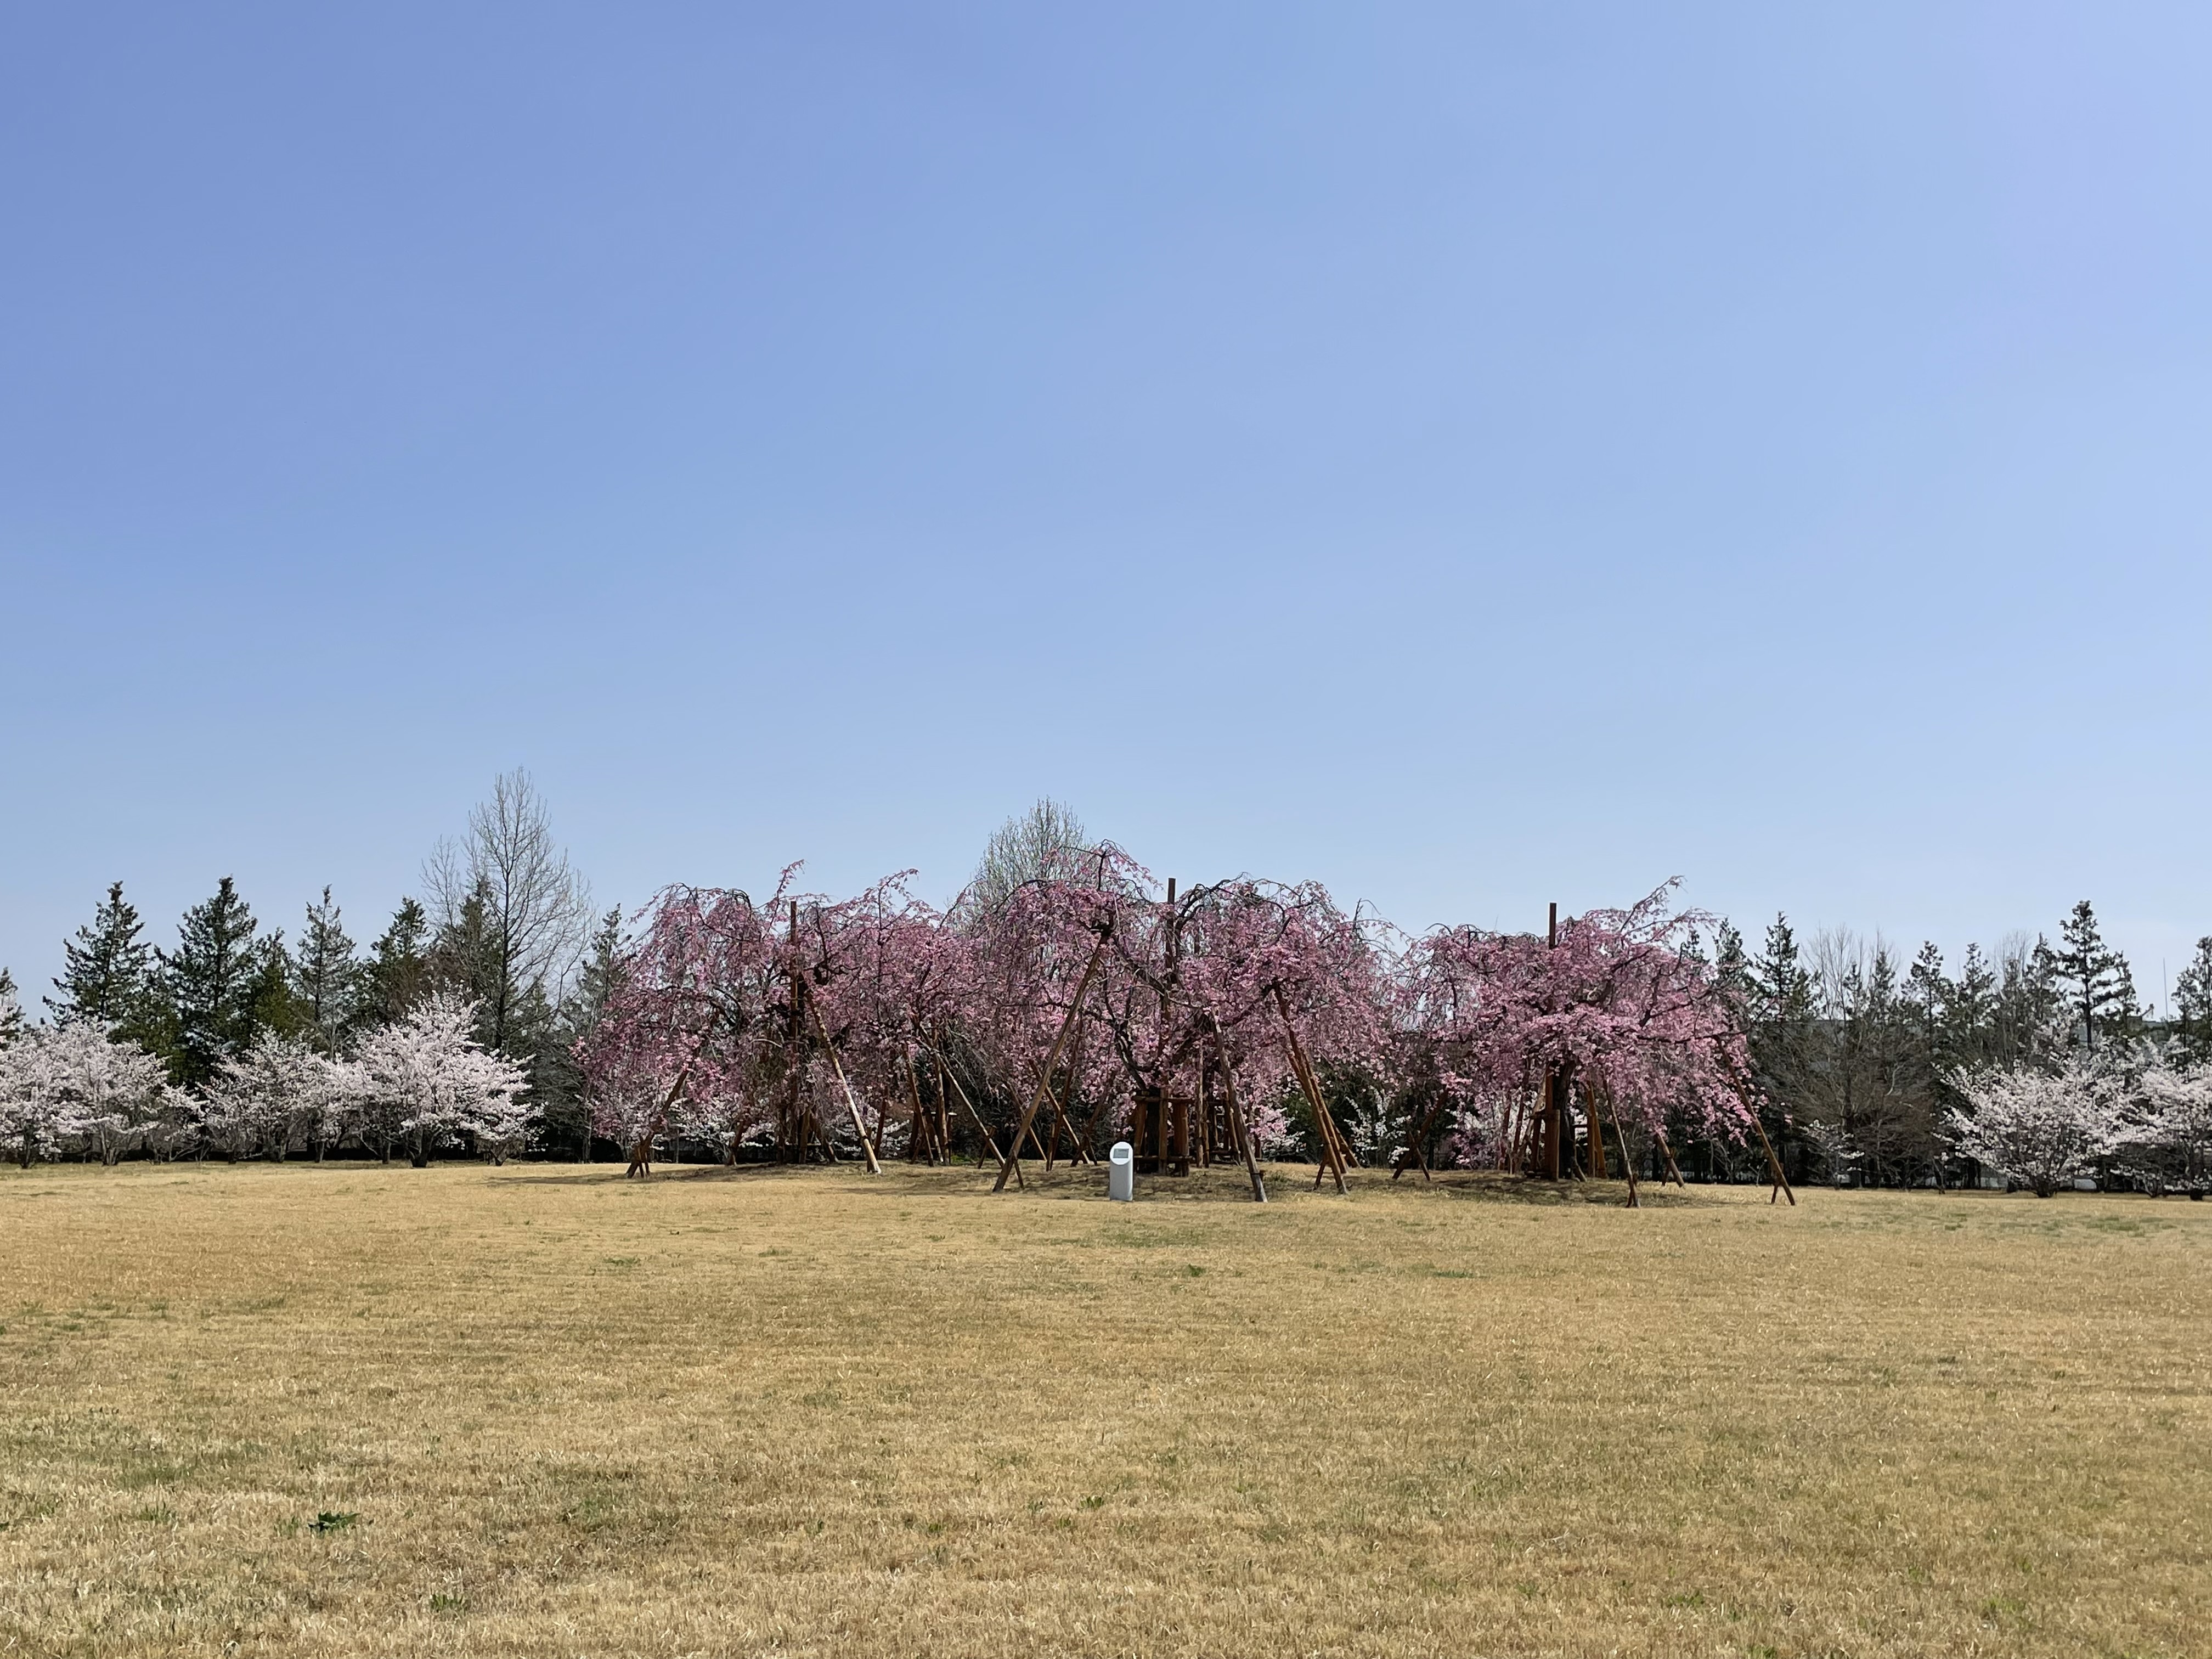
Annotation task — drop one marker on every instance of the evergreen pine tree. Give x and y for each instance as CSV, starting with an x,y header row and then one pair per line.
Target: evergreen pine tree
x,y
2192,1001
1969,1012
1781,1010
212,986
1782,1032
398,977
11,1010
1929,993
2095,978
2028,1012
556,1080
467,958
107,970
270,1003
326,978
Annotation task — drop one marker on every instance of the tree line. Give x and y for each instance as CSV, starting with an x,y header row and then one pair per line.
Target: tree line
x,y
469,1020
1867,1062
247,1043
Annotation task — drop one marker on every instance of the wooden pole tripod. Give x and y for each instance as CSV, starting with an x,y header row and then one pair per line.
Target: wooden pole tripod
x,y
1331,1143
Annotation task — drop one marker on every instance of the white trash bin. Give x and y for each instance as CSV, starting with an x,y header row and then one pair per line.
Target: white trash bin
x,y
1121,1172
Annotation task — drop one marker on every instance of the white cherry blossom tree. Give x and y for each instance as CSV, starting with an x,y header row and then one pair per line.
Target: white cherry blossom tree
x,y
2039,1128
429,1077
256,1101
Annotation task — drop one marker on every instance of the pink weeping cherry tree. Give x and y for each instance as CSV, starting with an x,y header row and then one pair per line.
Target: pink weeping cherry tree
x,y
693,1033
1056,1005
1092,971
1621,1004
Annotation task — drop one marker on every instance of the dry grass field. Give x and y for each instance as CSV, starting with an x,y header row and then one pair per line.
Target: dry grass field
x,y
808,1412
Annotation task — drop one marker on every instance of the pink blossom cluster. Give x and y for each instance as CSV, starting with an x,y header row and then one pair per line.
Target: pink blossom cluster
x,y
726,1008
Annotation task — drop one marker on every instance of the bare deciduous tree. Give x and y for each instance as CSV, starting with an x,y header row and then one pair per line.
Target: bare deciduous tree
x,y
508,890
1022,849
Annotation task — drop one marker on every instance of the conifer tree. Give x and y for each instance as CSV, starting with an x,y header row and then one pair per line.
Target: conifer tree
x,y
2192,1000
398,977
11,1010
214,986
326,977
1929,991
1969,1006
465,959
556,1079
107,970
2096,979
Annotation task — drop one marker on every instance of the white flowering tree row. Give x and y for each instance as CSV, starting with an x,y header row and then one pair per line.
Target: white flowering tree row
x,y
2144,1118
416,1086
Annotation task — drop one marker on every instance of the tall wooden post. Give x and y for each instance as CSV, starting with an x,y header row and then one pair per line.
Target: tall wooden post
x,y
1556,1130
793,1129
1547,1129
1332,1144
1627,1159
852,1100
1242,1130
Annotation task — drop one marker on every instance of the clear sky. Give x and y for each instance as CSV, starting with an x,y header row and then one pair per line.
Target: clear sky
x,y
1471,454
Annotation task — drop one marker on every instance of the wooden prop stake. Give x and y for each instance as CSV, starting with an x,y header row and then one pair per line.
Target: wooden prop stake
x,y
918,1127
1419,1150
1243,1129
641,1152
1774,1165
852,1100
976,1118
1011,1162
1627,1163
1332,1147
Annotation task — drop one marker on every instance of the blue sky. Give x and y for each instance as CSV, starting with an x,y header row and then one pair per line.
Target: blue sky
x,y
1472,455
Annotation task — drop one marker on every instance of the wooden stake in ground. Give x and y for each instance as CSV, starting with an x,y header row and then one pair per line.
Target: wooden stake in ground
x,y
1011,1164
976,1118
1627,1163
640,1151
1332,1147
1418,1150
852,1100
1773,1164
918,1126
1236,1116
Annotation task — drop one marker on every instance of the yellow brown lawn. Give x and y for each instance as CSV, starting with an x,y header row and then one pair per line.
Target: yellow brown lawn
x,y
812,1413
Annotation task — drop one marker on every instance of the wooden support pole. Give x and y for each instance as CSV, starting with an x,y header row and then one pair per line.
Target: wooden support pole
x,y
976,1118
791,1125
1773,1164
852,1100
918,1138
1332,1147
1548,1151
1243,1129
1627,1162
1013,1157
1418,1152
1667,1152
